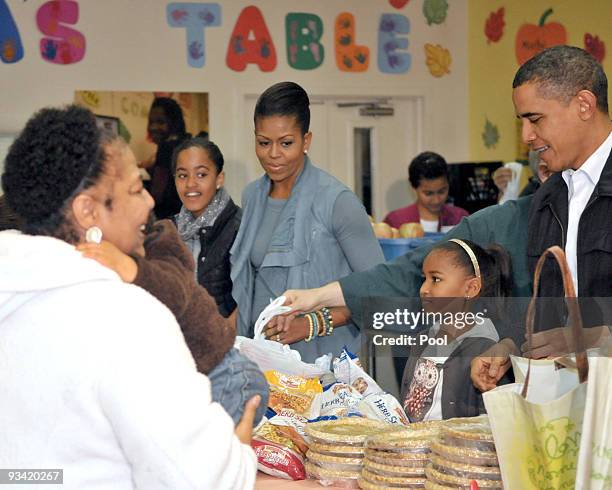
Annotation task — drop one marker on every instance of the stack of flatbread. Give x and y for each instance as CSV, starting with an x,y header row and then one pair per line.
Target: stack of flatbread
x,y
464,452
337,449
396,461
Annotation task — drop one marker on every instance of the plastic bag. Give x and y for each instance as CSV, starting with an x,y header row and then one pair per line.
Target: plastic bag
x,y
272,355
347,369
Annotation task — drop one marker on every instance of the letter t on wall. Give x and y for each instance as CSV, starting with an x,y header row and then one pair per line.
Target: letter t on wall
x,y
194,17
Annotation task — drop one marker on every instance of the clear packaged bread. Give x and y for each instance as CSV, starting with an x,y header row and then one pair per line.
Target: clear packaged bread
x,y
406,459
455,481
348,431
465,455
391,481
463,470
334,462
403,440
366,485
336,478
353,451
392,470
469,432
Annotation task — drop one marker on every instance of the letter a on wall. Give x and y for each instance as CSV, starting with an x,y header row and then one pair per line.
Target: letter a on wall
x,y
349,56
194,17
11,49
304,51
64,45
251,42
391,59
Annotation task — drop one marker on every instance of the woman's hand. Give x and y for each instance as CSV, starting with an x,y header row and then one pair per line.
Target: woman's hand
x,y
110,256
287,329
244,428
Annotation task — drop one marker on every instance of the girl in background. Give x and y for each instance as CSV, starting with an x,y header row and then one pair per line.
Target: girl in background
x,y
436,383
208,220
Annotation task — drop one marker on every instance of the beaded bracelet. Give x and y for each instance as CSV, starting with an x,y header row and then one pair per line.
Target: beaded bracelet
x,y
310,328
322,324
329,321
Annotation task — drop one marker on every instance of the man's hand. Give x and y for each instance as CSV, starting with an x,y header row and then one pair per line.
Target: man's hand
x,y
501,177
244,429
302,300
488,368
110,256
558,342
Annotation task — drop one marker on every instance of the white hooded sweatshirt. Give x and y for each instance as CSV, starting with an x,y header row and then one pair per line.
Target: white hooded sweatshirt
x,y
96,379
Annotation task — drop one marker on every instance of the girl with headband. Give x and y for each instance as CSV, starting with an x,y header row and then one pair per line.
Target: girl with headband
x,y
436,383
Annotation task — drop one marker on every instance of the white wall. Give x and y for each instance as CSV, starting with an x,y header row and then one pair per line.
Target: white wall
x,y
131,47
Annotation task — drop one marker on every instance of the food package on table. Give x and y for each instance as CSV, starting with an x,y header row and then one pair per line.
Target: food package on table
x,y
347,369
279,443
384,407
280,451
337,400
290,402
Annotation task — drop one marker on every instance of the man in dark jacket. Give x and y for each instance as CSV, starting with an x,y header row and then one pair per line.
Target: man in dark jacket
x,y
560,95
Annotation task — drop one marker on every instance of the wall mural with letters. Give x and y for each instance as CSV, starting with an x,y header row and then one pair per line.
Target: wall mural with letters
x,y
63,39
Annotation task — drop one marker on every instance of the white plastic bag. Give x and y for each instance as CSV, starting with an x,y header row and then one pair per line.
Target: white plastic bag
x,y
269,354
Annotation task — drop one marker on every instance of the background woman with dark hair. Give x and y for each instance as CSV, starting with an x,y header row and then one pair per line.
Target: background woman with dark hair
x,y
166,128
428,176
209,220
301,228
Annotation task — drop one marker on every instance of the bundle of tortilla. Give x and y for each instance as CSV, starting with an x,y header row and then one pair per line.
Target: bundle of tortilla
x,y
398,460
337,448
464,453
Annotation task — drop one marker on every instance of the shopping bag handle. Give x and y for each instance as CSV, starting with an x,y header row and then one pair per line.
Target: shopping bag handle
x,y
574,317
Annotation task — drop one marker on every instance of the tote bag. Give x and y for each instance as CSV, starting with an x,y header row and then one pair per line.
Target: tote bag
x,y
594,470
537,432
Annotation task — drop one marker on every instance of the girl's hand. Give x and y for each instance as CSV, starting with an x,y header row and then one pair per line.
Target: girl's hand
x,y
110,256
287,329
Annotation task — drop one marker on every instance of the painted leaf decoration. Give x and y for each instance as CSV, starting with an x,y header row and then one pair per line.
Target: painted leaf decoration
x,y
595,47
490,135
494,27
438,60
435,11
398,4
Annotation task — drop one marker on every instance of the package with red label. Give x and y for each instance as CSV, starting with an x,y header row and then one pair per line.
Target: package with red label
x,y
280,451
279,443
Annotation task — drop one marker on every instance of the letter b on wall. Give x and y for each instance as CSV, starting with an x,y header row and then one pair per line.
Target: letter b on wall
x,y
304,51
64,46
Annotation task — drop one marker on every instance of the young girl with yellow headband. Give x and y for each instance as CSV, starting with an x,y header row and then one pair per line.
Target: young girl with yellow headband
x,y
436,382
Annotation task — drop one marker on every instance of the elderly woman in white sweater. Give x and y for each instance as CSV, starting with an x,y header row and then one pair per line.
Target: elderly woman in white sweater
x,y
95,376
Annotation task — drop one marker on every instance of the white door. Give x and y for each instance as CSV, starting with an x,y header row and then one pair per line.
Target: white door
x,y
340,135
